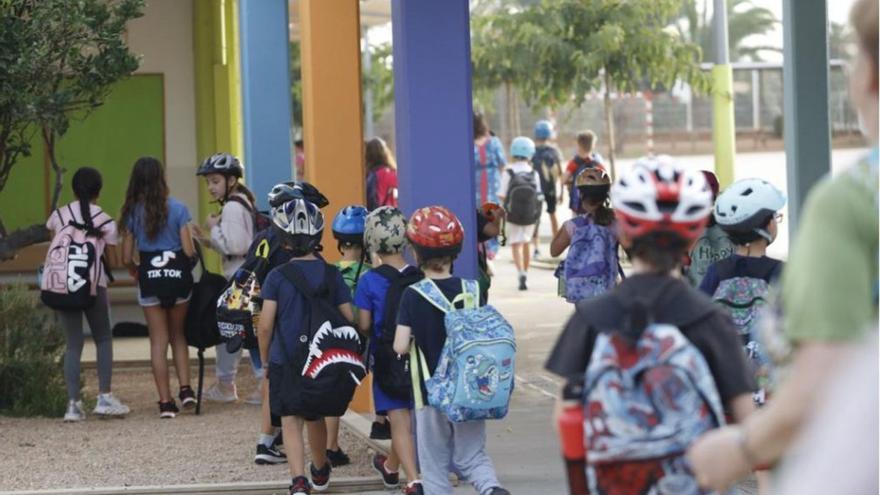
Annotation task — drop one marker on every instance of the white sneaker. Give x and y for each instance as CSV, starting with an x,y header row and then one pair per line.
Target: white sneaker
x,y
75,412
110,406
256,397
215,393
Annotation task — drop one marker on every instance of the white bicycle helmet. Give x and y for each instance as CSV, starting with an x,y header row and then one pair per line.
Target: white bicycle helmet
x,y
747,205
658,196
301,224
286,191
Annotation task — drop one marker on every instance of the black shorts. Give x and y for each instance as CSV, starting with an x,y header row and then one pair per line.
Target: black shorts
x,y
283,395
550,201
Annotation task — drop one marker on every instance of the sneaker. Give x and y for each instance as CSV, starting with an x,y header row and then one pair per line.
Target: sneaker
x,y
279,440
187,396
256,397
110,406
499,491
338,458
269,455
300,486
389,479
536,254
168,410
414,488
380,431
522,283
75,412
320,477
219,393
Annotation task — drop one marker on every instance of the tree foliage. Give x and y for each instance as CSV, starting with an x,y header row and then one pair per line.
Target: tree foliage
x,y
744,20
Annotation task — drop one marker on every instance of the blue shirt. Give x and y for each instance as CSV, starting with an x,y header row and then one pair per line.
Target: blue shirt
x,y
168,238
370,296
292,306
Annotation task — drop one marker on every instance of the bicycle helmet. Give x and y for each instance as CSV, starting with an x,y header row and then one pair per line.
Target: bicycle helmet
x,y
285,191
385,231
522,147
658,196
348,225
593,183
300,224
221,163
435,232
746,207
543,129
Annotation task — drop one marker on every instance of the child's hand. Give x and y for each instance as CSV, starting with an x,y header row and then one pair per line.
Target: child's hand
x,y
213,220
133,272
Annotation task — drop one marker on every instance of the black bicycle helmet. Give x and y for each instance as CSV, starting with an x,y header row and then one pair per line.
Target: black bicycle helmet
x,y
221,163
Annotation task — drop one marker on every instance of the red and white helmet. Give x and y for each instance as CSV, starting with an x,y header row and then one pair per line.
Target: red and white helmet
x,y
435,231
659,196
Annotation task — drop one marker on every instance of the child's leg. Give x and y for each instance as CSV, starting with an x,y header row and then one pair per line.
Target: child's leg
x,y
402,442
98,317
434,433
179,348
526,257
517,258
226,366
266,426
469,455
71,321
317,442
291,428
157,324
332,433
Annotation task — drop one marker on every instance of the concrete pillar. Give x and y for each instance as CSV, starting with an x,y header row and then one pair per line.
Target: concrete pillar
x,y
807,128
433,110
265,78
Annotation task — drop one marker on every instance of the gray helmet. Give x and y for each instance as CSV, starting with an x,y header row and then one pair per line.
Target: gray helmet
x,y
221,163
285,191
385,231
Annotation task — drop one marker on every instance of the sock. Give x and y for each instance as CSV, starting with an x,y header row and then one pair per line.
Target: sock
x,y
385,465
266,439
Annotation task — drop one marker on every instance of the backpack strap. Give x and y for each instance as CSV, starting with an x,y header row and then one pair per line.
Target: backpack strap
x,y
429,290
263,249
418,369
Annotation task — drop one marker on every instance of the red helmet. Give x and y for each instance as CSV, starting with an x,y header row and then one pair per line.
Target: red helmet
x,y
658,196
435,231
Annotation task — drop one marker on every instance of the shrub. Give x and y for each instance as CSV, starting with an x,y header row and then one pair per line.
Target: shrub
x,y
31,349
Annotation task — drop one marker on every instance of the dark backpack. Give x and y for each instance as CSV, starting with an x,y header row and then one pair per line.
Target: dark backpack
x,y
574,202
522,202
262,221
165,275
240,300
544,161
326,366
391,370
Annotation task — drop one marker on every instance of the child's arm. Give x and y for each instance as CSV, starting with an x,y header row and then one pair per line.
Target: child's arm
x,y
365,320
265,329
128,253
347,312
186,240
560,242
401,339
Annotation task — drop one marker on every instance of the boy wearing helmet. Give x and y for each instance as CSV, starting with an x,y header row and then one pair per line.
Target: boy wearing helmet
x,y
547,161
661,209
300,225
584,158
436,236
521,195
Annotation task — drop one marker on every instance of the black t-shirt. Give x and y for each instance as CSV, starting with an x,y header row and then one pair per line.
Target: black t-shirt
x,y
764,268
669,301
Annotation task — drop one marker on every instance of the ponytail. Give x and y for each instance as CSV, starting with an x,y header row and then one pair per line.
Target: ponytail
x,y
87,184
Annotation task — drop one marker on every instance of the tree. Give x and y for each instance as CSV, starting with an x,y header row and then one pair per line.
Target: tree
x,y
744,20
58,61
840,41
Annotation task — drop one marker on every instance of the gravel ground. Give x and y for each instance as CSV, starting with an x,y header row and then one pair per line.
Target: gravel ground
x,y
215,447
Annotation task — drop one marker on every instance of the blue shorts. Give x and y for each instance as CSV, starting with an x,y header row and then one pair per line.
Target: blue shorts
x,y
146,302
381,401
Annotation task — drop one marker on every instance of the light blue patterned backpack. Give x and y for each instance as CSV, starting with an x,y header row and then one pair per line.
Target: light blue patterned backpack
x,y
474,377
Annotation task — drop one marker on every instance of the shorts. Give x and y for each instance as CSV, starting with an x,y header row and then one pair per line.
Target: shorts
x,y
282,393
519,233
550,201
146,302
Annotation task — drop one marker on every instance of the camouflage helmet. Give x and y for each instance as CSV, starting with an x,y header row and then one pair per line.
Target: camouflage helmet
x,y
385,231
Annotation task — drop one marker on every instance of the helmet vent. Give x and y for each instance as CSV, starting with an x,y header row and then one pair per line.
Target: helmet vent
x,y
693,210
636,206
747,192
667,206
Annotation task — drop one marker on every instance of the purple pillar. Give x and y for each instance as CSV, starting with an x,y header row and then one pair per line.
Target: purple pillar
x,y
433,112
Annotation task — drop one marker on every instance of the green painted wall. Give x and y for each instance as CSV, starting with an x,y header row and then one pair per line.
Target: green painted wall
x,y
130,124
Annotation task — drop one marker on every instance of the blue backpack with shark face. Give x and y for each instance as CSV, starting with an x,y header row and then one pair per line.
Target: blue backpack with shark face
x,y
327,367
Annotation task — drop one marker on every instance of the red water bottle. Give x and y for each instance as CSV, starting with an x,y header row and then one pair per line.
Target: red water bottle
x,y
571,436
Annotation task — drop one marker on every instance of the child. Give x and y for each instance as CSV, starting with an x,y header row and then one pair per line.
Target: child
x,y
384,236
678,388
381,175
591,266
436,236
748,212
584,158
714,244
522,198
230,234
490,224
157,227
85,214
547,161
300,223
348,230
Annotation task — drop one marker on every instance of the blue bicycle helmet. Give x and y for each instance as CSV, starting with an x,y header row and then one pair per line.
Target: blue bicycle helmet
x,y
543,129
522,147
348,225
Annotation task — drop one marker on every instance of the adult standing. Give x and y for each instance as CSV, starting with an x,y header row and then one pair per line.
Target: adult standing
x,y
490,162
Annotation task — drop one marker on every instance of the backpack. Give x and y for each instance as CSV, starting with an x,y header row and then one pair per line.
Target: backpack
x,y
74,264
745,298
522,202
646,401
166,275
591,263
240,301
574,197
262,221
391,370
326,366
373,197
474,378
545,161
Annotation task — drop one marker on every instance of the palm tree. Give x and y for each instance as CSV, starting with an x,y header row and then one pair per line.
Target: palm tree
x,y
744,19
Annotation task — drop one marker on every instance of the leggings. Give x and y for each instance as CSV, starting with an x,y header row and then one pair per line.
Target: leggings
x,y
98,317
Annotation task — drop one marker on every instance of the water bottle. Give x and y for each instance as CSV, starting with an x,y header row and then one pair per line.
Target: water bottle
x,y
571,436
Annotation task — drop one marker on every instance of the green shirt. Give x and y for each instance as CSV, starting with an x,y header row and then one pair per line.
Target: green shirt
x,y
713,246
349,270
830,282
